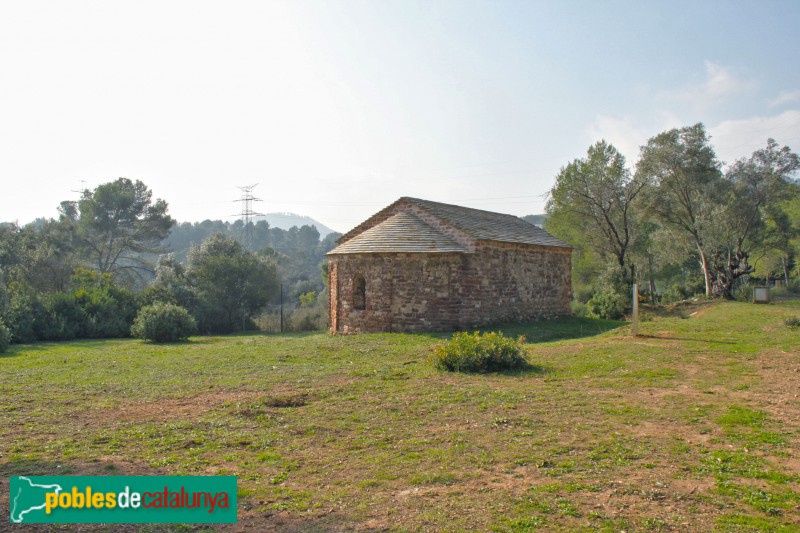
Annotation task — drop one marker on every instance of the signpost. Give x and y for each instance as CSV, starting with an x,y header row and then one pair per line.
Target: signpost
x,y
761,295
635,310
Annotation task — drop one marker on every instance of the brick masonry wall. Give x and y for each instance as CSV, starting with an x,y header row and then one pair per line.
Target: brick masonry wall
x,y
516,283
405,292
443,292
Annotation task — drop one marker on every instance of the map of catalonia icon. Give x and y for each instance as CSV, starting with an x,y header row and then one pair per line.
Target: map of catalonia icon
x,y
28,498
122,499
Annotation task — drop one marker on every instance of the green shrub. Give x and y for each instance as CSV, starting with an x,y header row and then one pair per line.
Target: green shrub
x,y
743,292
66,319
5,337
608,303
490,352
676,293
163,323
25,316
579,309
695,285
583,293
110,309
307,299
612,295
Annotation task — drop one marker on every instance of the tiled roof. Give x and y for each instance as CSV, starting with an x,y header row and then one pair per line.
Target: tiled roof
x,y
402,232
487,225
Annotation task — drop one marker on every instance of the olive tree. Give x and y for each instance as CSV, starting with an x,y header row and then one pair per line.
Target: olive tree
x,y
688,193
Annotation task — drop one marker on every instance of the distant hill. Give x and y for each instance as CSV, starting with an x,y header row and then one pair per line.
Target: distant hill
x,y
536,220
287,220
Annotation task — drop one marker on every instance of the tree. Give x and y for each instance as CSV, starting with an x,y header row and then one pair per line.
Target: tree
x,y
755,215
688,192
229,283
40,255
591,205
117,223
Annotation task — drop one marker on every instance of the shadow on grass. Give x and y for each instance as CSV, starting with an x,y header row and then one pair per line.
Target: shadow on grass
x,y
184,342
527,370
210,338
34,467
20,348
558,329
686,339
534,332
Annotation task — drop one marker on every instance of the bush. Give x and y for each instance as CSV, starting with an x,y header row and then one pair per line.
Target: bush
x,y
110,309
307,299
785,290
743,292
5,337
163,323
307,319
607,303
490,352
696,286
66,319
612,296
584,293
579,309
676,293
25,316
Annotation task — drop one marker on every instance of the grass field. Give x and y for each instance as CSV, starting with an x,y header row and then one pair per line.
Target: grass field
x,y
695,425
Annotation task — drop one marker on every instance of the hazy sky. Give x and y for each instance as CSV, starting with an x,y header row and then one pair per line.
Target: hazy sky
x,y
337,109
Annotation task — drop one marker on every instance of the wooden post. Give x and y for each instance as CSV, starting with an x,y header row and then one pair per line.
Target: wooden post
x,y
635,310
281,307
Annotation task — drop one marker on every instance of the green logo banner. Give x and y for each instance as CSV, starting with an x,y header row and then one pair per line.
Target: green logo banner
x,y
122,499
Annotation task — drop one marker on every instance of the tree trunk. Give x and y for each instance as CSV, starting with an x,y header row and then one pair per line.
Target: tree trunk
x,y
652,281
785,271
706,272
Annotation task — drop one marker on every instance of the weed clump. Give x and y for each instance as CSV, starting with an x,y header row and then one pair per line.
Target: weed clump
x,y
163,323
792,322
476,352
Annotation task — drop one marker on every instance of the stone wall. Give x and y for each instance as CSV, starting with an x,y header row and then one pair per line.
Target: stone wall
x,y
443,292
405,292
516,283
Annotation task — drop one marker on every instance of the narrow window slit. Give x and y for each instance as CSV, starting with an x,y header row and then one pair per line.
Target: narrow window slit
x,y
359,293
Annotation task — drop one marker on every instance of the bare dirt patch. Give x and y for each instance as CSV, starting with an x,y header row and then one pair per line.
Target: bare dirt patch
x,y
700,312
181,408
779,390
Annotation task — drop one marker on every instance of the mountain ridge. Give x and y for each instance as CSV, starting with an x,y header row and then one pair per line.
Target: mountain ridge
x,y
286,220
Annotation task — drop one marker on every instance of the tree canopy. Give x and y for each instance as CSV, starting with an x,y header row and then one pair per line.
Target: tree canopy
x,y
117,223
592,203
676,209
229,283
687,186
